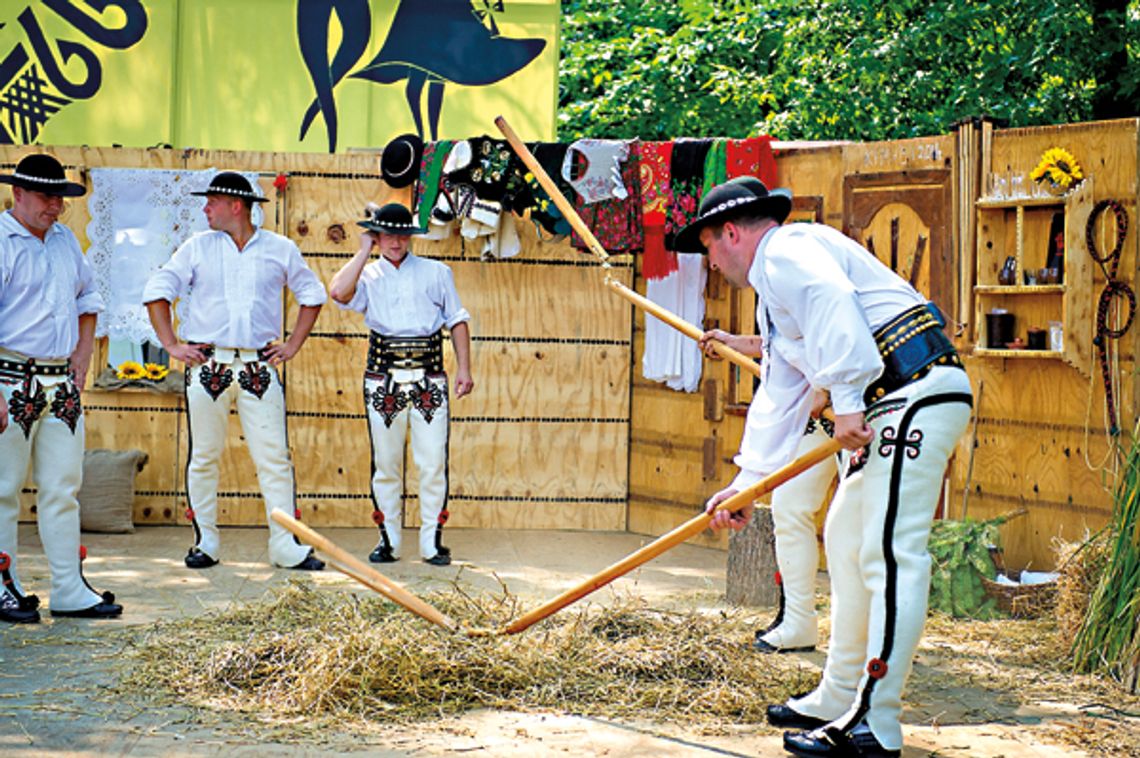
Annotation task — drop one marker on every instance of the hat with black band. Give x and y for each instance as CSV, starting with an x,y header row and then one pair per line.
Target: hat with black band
x,y
41,172
231,183
733,199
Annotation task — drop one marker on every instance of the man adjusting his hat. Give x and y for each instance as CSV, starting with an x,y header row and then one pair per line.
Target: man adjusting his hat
x,y
407,301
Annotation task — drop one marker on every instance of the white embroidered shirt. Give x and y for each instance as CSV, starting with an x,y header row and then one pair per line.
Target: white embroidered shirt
x,y
416,299
231,297
44,288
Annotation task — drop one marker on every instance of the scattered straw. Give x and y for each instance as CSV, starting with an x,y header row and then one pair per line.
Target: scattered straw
x,y
334,657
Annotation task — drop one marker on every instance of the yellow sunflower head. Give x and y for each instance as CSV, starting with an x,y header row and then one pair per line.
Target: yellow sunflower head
x,y
156,371
1058,167
130,370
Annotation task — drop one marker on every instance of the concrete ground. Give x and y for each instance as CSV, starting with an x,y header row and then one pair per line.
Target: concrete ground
x,y
54,676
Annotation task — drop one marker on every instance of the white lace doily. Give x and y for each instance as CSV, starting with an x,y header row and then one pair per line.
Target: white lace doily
x,y
139,217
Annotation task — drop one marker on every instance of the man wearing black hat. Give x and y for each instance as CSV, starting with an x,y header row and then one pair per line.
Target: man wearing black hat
x,y
407,301
230,282
834,318
48,306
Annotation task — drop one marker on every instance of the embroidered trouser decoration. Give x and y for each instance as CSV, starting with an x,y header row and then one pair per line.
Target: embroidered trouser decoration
x,y
427,398
50,445
210,393
66,405
255,379
215,378
424,415
876,535
108,597
386,398
26,404
10,597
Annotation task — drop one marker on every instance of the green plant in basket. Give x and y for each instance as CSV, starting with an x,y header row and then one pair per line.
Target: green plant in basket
x,y
960,554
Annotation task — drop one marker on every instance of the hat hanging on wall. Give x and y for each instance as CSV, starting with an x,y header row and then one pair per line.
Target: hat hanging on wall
x,y
400,161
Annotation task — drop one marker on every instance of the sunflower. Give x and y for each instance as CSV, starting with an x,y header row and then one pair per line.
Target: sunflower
x,y
130,370
1059,168
156,371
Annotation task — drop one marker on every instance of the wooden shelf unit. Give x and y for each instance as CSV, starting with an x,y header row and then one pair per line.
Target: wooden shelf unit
x,y
1019,227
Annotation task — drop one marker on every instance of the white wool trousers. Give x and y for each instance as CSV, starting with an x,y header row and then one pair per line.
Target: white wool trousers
x,y
238,378
794,507
54,450
402,403
875,536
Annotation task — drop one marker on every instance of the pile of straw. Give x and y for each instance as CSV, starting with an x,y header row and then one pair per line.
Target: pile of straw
x,y
335,656
1080,566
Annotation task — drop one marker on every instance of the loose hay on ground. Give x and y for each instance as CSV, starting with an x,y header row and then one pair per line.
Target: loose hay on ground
x,y
334,656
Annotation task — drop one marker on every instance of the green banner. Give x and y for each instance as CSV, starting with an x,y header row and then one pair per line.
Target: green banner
x,y
274,75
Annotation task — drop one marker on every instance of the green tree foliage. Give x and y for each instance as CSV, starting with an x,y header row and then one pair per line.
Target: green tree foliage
x,y
839,69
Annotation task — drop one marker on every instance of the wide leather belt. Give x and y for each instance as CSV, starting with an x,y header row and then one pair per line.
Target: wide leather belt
x,y
910,345
229,354
15,369
387,353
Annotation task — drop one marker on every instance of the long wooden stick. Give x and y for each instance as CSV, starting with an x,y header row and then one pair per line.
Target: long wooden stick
x,y
683,326
352,566
596,248
551,188
677,536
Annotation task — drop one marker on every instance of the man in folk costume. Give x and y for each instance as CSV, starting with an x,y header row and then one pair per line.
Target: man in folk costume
x,y
407,301
231,279
794,507
834,318
48,307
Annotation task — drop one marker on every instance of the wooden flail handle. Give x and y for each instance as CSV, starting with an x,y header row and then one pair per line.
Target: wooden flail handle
x,y
564,205
671,539
683,326
352,566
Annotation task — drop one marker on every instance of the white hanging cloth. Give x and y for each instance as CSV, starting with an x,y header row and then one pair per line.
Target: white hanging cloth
x,y
670,356
139,217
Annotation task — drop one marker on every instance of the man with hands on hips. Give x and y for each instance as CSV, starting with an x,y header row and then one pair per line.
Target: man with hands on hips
x,y
230,280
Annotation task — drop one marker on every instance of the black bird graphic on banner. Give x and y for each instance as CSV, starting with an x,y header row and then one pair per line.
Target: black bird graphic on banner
x,y
430,44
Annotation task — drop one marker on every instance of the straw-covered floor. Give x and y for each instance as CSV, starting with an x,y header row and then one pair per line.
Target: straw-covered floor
x,y
334,657
306,662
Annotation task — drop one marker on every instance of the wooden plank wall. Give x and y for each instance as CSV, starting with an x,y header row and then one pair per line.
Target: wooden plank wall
x,y
1037,446
1041,435
541,443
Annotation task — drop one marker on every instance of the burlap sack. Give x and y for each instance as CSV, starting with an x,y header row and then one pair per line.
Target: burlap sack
x,y
106,499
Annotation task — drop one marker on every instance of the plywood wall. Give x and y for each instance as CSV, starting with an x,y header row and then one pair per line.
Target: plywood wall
x,y
1041,439
542,442
563,431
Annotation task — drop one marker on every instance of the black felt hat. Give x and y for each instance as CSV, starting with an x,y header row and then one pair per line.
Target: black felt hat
x,y
231,183
41,172
732,199
392,218
400,161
